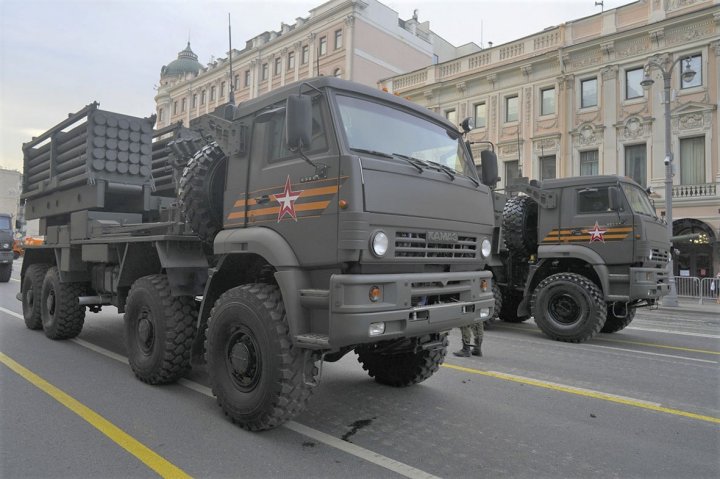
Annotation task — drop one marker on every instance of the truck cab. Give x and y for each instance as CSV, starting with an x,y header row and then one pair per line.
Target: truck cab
x,y
6,247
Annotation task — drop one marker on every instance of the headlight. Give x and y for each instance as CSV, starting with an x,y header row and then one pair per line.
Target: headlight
x,y
379,244
650,255
485,248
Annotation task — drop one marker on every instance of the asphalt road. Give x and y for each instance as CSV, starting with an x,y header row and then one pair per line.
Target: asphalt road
x,y
644,402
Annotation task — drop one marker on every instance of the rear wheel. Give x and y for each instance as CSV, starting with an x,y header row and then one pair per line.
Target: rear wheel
x,y
62,316
31,292
259,378
159,330
568,307
400,369
619,316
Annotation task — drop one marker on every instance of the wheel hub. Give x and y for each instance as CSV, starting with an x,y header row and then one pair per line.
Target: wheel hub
x,y
50,303
240,358
146,332
564,309
243,361
29,298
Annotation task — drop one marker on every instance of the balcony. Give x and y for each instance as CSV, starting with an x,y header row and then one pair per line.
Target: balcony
x,y
699,191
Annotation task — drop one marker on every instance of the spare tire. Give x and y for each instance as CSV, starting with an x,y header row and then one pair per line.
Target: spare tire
x,y
519,224
201,191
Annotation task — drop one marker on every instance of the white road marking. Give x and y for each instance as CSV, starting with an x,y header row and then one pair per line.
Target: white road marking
x,y
670,331
673,356
348,447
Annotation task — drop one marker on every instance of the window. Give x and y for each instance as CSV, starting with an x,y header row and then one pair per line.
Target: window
x,y
588,93
202,97
291,61
194,101
222,89
305,55
337,73
480,115
547,101
338,39
247,78
588,163
696,66
236,85
633,89
511,109
512,170
264,73
547,167
692,160
593,200
175,107
451,115
323,46
212,93
636,164
278,66
160,114
273,134
183,104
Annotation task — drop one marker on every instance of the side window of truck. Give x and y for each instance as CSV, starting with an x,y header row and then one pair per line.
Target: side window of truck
x,y
275,135
593,200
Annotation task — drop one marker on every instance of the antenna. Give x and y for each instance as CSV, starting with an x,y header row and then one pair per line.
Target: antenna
x,y
601,4
231,94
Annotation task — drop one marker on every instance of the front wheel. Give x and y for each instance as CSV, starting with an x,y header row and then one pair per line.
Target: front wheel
x,y
5,272
259,378
159,330
62,316
568,307
31,292
619,316
400,369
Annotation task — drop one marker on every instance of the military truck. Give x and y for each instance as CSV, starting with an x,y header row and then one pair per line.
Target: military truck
x,y
267,237
579,254
6,247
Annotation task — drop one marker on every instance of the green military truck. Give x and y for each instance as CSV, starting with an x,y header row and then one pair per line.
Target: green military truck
x,y
578,254
321,218
6,247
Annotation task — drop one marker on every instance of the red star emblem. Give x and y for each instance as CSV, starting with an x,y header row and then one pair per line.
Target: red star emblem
x,y
287,201
596,234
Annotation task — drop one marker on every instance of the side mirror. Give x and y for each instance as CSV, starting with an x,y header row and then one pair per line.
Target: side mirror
x,y
298,121
614,201
489,168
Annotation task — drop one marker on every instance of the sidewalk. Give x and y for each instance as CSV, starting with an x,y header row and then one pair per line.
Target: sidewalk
x,y
688,304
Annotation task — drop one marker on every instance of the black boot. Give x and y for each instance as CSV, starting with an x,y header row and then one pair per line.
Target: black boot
x,y
464,352
476,351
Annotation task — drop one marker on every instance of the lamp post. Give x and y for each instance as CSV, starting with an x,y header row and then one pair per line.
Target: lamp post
x,y
665,64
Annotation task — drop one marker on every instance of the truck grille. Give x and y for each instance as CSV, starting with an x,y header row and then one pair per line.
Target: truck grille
x,y
416,245
659,255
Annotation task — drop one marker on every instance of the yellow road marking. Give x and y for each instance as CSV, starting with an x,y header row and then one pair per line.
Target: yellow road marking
x,y
586,393
150,458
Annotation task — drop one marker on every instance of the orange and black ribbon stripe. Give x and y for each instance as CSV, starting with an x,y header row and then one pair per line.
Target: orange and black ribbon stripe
x,y
566,235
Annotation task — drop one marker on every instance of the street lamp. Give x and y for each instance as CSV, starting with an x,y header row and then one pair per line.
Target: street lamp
x,y
666,64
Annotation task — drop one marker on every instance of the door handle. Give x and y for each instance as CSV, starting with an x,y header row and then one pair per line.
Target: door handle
x,y
262,199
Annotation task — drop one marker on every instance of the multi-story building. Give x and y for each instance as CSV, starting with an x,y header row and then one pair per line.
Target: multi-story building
x,y
359,40
568,101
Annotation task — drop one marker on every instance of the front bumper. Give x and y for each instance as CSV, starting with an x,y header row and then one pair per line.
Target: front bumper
x,y
648,283
6,256
410,305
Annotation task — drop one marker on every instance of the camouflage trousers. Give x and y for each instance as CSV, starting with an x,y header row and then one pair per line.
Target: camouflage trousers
x,y
476,329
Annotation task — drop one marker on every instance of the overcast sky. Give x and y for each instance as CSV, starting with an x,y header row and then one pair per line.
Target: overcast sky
x,y
56,56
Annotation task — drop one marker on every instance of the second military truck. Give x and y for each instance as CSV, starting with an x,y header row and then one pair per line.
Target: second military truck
x,y
308,227
578,254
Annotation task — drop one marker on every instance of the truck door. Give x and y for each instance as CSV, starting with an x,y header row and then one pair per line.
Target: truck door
x,y
587,220
284,191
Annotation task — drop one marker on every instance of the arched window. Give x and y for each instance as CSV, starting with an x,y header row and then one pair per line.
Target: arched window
x,y
337,73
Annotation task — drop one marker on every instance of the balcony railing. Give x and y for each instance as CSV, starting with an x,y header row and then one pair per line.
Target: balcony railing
x,y
694,191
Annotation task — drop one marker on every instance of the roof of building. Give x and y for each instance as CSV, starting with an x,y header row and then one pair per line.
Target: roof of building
x,y
187,62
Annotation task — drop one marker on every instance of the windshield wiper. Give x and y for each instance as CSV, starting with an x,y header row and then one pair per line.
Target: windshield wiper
x,y
413,161
409,159
444,168
372,152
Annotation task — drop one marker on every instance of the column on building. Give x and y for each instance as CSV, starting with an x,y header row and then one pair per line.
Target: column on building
x,y
349,46
609,114
298,59
255,65
311,55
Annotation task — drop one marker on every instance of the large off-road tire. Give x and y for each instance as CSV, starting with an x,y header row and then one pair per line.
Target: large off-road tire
x,y
401,369
519,224
5,272
568,307
159,330
62,316
201,191
511,300
259,378
31,292
614,323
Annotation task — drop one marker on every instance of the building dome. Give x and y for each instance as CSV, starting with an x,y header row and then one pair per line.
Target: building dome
x,y
187,62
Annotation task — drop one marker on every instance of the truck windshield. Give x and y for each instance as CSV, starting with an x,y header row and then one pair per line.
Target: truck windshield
x,y
4,223
371,126
638,200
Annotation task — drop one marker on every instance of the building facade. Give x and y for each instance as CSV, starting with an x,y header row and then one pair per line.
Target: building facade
x,y
359,40
568,101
